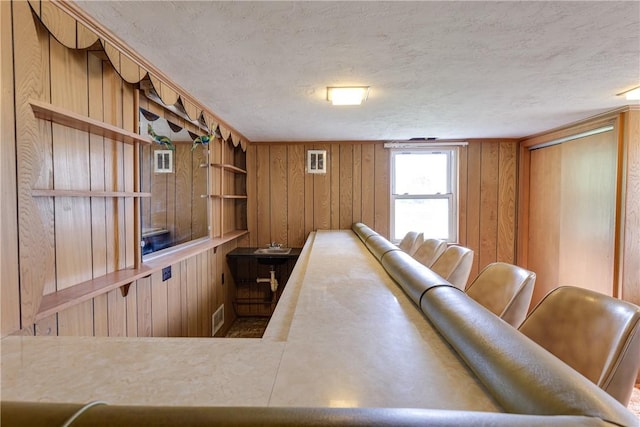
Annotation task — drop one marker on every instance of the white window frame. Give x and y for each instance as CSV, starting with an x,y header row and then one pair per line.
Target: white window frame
x,y
451,195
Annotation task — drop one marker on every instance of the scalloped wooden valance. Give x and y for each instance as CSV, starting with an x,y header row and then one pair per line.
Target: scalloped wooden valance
x,y
76,35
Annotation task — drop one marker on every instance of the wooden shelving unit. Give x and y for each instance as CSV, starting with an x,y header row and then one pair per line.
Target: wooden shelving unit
x,y
61,116
65,298
228,186
85,193
228,167
228,196
84,291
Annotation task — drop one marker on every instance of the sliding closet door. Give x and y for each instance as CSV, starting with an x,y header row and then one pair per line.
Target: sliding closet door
x,y
572,214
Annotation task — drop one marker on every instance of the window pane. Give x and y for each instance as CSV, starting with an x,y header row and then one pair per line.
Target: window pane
x,y
417,173
430,216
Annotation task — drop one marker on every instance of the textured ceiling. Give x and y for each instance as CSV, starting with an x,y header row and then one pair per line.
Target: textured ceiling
x,y
436,69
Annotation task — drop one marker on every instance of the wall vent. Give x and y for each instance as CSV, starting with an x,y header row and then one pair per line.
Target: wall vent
x,y
217,320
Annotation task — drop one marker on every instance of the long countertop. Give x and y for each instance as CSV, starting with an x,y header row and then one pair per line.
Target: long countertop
x,y
343,335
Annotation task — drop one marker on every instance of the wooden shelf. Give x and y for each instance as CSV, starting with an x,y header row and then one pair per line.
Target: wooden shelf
x,y
228,196
228,167
61,116
86,193
68,297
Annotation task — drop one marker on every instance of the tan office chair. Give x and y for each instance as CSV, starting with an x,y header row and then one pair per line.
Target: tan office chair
x,y
429,251
597,335
411,241
505,290
454,265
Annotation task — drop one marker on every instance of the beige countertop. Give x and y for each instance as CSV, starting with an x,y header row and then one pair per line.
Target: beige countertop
x,y
343,334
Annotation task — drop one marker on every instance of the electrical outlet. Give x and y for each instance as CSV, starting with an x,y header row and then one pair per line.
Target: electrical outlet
x,y
166,273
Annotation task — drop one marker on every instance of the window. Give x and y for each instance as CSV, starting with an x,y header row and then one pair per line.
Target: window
x,y
423,193
176,176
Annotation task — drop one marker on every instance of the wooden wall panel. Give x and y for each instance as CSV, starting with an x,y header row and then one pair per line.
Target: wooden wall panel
x,y
587,218
322,193
278,207
159,322
382,187
630,244
174,306
367,184
472,197
199,209
144,313
346,179
263,193
356,209
34,157
132,310
507,184
182,193
9,281
333,168
463,181
61,241
571,228
128,112
296,158
356,188
544,224
252,189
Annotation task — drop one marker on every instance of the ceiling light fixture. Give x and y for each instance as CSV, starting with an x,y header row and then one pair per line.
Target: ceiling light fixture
x,y
352,95
631,94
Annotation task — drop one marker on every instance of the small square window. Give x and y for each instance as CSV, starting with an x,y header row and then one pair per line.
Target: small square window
x,y
317,161
163,161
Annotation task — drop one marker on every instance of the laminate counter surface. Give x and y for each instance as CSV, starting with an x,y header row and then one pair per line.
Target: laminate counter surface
x,y
344,334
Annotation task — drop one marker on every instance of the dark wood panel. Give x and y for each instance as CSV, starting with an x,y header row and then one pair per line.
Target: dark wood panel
x,y
487,252
381,190
278,211
346,186
263,193
472,224
356,209
367,184
322,204
296,196
507,180
333,170
462,191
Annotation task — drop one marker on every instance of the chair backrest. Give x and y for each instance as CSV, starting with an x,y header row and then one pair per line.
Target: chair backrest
x,y
454,265
429,251
505,290
597,335
411,241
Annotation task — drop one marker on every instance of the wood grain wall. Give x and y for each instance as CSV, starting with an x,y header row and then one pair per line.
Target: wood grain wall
x,y
579,221
572,214
62,241
285,203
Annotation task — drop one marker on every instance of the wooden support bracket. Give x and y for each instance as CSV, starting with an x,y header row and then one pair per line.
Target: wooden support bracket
x,y
124,289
